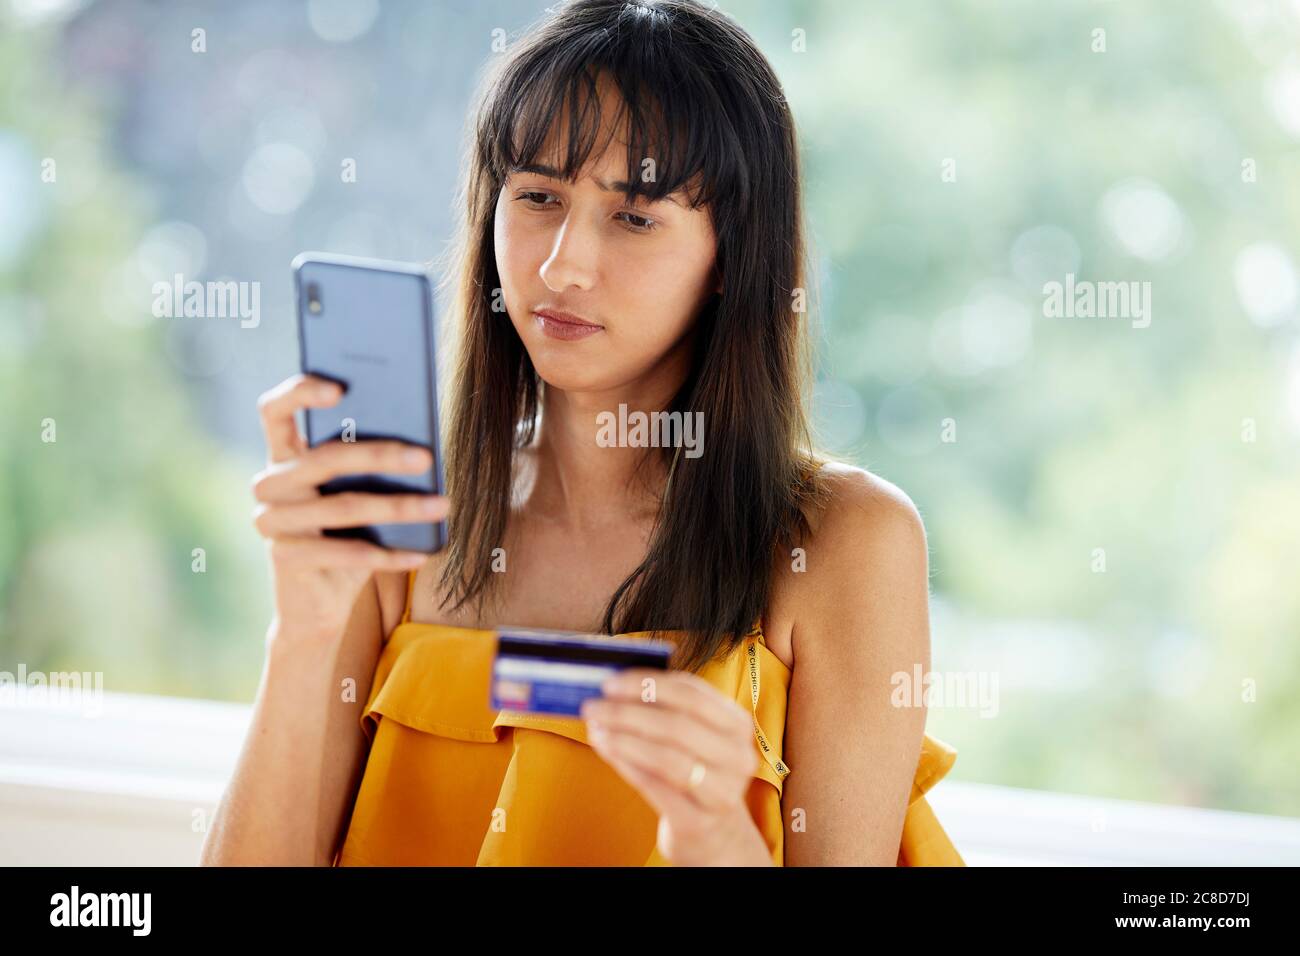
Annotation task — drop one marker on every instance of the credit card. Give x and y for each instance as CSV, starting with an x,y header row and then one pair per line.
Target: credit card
x,y
552,672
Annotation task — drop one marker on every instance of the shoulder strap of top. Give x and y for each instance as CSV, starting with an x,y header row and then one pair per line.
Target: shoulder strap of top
x,y
752,640
410,590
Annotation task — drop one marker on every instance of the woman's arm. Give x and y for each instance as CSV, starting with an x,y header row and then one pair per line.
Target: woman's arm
x,y
334,598
290,798
862,616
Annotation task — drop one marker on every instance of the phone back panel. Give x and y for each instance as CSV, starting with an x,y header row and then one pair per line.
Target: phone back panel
x,y
370,326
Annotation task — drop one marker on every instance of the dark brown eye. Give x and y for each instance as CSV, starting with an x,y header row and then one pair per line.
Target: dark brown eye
x,y
639,223
531,198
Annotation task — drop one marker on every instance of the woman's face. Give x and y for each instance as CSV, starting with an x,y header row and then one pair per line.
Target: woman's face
x,y
640,271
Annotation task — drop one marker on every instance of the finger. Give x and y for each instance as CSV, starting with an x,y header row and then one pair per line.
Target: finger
x,y
320,552
335,458
286,481
347,510
666,726
671,766
663,799
679,690
278,405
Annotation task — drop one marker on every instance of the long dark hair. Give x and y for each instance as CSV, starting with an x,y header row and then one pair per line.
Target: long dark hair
x,y
701,99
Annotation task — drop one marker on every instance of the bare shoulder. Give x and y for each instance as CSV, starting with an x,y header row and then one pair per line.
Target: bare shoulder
x,y
860,501
866,556
861,619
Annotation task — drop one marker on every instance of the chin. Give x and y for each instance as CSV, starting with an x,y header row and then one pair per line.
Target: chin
x,y
565,365
570,376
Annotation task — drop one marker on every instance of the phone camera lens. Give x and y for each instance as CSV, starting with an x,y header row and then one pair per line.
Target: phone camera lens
x,y
313,298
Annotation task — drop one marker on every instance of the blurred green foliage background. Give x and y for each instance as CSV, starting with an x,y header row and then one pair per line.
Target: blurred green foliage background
x,y
957,156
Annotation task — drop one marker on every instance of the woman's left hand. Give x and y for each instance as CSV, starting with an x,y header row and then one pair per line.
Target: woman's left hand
x,y
661,730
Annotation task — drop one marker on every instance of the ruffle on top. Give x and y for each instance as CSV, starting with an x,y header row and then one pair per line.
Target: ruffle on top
x,y
452,782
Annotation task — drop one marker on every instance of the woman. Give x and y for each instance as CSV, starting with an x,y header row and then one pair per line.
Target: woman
x,y
631,240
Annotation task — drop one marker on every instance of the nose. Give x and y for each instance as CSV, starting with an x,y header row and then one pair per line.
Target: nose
x,y
573,258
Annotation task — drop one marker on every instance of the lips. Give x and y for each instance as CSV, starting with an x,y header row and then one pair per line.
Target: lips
x,y
556,325
566,318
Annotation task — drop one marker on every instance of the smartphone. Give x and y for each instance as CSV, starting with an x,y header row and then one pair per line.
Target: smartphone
x,y
370,326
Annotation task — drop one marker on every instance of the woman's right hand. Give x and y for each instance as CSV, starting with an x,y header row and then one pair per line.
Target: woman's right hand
x,y
316,578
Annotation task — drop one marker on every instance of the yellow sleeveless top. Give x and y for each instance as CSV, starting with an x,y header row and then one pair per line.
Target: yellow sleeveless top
x,y
451,782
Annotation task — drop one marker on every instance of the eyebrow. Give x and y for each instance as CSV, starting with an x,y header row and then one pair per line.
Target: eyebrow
x,y
552,173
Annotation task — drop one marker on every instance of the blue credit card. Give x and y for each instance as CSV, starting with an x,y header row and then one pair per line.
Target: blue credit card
x,y
553,672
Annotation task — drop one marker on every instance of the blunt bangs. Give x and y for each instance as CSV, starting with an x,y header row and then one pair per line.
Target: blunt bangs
x,y
673,106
